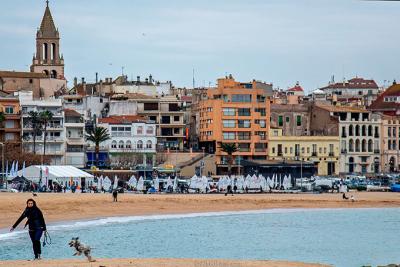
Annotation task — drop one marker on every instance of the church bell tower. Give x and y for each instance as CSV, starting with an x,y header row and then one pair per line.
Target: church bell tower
x,y
47,58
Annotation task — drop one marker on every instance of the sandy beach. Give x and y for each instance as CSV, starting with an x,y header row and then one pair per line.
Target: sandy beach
x,y
156,263
64,207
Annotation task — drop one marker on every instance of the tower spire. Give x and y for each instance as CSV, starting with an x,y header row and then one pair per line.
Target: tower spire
x,y
47,3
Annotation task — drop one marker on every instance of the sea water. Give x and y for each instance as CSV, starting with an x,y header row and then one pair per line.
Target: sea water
x,y
340,237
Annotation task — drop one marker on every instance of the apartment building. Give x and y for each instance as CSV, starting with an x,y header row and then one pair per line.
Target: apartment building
x,y
75,138
293,119
359,132
236,112
10,128
133,141
55,138
322,151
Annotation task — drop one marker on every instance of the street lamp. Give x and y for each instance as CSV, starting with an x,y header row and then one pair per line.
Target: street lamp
x,y
4,180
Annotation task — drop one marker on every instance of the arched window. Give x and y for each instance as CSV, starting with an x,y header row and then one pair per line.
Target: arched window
x,y
376,132
351,145
149,144
53,74
121,144
46,72
357,130
369,130
370,145
351,130
149,130
364,145
114,144
44,52
357,145
364,130
351,164
128,144
140,144
53,51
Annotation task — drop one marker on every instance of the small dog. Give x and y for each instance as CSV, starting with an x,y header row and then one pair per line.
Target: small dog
x,y
34,194
81,248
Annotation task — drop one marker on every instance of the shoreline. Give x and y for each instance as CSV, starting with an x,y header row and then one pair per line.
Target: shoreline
x,y
59,207
159,263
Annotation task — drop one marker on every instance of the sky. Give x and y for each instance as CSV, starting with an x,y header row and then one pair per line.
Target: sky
x,y
277,41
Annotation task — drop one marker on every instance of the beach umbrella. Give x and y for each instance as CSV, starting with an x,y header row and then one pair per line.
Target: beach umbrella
x,y
115,185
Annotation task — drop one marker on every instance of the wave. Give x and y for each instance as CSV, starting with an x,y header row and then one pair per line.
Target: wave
x,y
125,219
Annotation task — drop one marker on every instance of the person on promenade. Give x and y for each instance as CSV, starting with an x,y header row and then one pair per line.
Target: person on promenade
x,y
344,196
115,196
36,223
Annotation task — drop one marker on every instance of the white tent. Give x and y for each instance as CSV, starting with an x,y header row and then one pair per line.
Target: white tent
x,y
63,174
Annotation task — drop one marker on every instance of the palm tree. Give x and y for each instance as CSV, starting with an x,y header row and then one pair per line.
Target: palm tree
x,y
229,148
45,117
36,126
97,135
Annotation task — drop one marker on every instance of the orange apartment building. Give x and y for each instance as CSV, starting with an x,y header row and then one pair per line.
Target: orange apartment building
x,y
239,113
10,128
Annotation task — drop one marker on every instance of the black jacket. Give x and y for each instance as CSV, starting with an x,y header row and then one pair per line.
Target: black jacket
x,y
35,219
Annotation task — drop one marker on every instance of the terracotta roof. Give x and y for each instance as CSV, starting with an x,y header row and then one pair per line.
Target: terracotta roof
x,y
47,27
297,88
355,83
127,119
331,108
71,113
379,103
20,74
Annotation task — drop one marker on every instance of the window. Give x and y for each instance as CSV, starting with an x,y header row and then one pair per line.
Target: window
x,y
114,144
177,131
149,144
177,118
150,106
261,111
165,119
140,144
280,121
9,110
241,98
287,119
244,112
149,130
261,134
229,112
139,130
229,123
229,135
244,123
330,148
298,120
261,123
121,144
243,135
128,144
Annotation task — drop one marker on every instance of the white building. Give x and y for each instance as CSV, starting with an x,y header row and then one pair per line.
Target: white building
x,y
75,138
133,140
55,138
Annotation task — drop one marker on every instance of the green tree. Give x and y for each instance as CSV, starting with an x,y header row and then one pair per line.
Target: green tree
x,y
229,148
45,117
34,119
97,135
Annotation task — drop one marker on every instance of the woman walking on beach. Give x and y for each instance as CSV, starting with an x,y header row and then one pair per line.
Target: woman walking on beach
x,y
36,224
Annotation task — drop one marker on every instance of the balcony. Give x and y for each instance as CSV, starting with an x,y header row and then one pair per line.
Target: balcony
x,y
343,151
259,150
314,154
331,154
280,154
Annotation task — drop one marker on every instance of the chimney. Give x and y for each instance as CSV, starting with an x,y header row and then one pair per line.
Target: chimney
x,y
97,77
75,81
138,79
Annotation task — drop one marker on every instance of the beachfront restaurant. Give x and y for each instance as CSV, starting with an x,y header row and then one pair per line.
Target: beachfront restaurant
x,y
63,175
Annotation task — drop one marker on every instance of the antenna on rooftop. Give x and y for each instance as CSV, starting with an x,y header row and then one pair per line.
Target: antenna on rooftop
x,y
193,79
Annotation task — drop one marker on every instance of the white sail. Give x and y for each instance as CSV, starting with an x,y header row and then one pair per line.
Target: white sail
x,y
132,181
140,184
106,183
115,185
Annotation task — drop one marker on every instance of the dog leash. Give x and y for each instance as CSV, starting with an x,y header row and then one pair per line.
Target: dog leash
x,y
46,239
